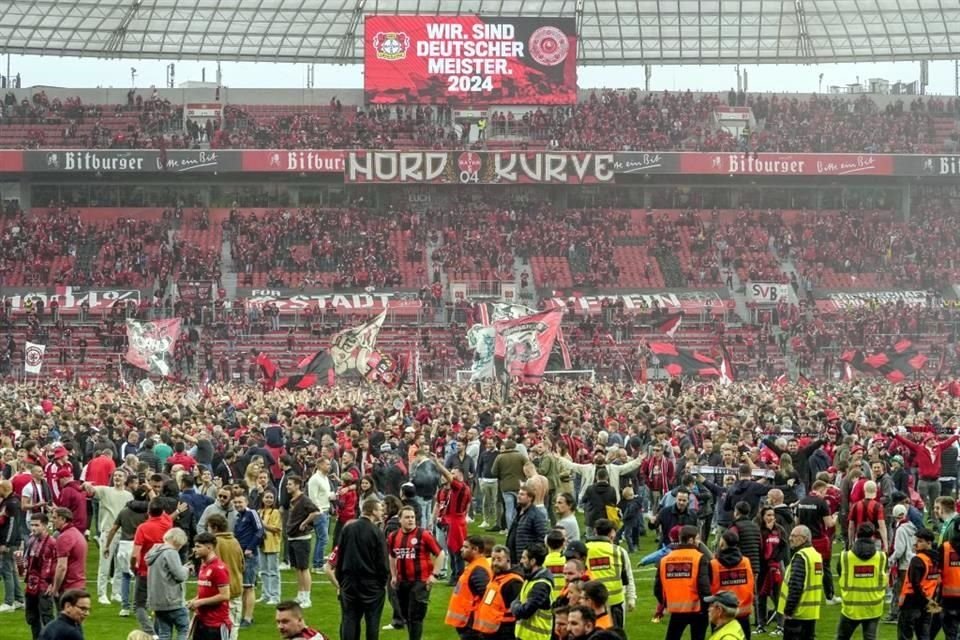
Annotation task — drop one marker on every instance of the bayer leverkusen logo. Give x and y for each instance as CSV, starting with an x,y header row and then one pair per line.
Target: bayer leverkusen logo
x,y
391,46
33,356
469,162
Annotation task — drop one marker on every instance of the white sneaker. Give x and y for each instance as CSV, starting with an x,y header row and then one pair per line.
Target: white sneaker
x,y
117,597
124,613
284,566
7,608
18,605
834,600
104,600
483,525
305,604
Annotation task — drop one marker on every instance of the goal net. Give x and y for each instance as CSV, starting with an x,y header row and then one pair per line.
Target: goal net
x,y
463,375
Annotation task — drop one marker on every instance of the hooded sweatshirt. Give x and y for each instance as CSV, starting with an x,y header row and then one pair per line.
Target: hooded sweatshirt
x,y
903,539
166,576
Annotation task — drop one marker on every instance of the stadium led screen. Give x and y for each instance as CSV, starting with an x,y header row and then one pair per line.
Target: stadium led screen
x,y
469,60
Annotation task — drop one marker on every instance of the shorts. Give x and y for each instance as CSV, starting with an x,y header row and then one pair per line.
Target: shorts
x,y
250,567
299,551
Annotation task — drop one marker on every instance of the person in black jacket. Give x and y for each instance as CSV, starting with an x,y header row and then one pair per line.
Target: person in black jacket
x,y
528,527
678,514
746,489
74,609
914,616
749,533
597,498
539,596
10,537
800,457
362,572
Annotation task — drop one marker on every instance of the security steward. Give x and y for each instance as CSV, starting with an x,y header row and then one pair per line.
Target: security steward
x,y
949,584
596,595
532,608
919,588
682,582
610,564
731,571
494,620
722,610
555,562
863,585
802,593
470,588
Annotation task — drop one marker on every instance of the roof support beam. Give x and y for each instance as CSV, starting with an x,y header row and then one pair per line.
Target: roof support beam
x,y
119,35
348,42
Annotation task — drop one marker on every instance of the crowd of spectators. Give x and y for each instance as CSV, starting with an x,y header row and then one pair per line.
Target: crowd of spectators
x,y
155,122
822,124
345,248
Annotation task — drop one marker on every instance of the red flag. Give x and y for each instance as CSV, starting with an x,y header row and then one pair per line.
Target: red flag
x,y
523,345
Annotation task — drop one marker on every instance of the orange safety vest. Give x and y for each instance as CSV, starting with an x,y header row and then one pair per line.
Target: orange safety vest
x,y
738,579
462,602
679,570
492,610
604,621
931,578
950,574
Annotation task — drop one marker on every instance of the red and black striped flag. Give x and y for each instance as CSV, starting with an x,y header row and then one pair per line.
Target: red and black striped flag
x,y
670,324
683,362
895,364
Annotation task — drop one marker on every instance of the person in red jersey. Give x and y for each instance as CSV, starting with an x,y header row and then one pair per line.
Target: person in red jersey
x,y
211,607
415,562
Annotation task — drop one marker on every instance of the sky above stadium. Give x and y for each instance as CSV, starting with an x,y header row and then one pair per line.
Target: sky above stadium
x,y
77,72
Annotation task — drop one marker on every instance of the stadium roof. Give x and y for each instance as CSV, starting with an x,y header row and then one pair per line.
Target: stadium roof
x,y
655,32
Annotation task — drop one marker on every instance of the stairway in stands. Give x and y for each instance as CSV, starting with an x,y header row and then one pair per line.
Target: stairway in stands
x,y
670,267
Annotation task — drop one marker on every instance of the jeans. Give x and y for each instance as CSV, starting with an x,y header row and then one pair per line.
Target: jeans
x,y
929,490
140,604
631,532
12,590
124,577
509,506
490,500
948,622
353,609
39,612
322,527
172,624
912,621
846,627
270,576
426,512
897,587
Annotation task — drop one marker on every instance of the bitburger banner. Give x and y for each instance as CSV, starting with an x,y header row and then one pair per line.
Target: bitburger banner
x,y
130,161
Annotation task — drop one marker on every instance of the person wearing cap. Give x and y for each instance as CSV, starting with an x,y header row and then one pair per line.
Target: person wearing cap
x,y
681,584
53,469
919,589
863,585
929,459
722,610
904,539
732,572
899,475
801,598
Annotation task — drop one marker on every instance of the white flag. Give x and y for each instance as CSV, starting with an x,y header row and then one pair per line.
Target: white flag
x,y
33,357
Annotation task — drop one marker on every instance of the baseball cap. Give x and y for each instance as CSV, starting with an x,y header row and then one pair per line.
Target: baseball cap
x,y
385,447
723,598
59,452
409,430
899,511
575,549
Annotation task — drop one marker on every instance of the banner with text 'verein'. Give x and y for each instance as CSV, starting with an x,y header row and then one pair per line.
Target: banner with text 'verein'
x,y
469,60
